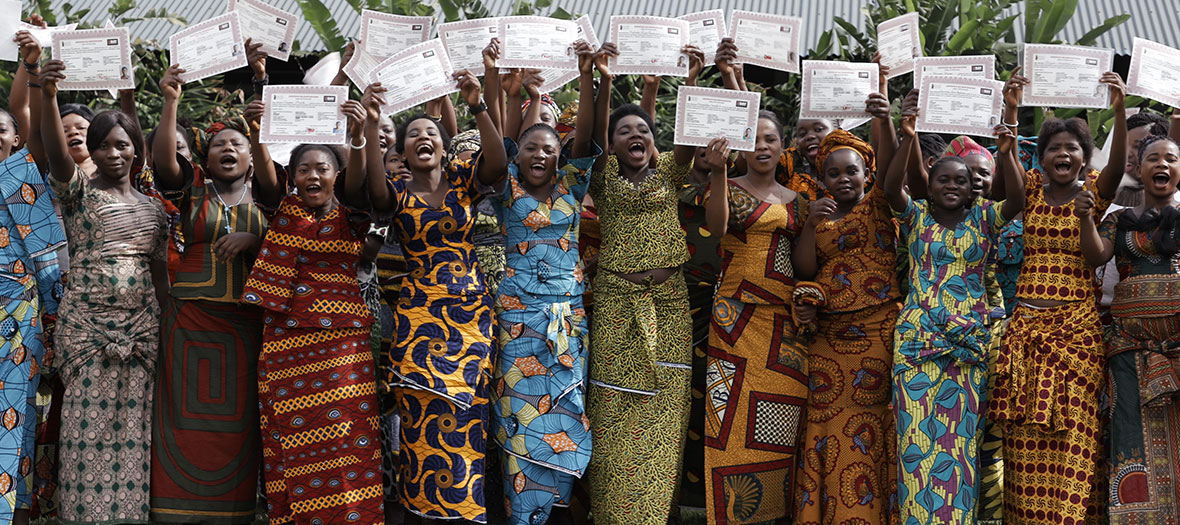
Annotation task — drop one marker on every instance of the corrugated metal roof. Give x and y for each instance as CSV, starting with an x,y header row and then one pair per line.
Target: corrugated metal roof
x,y
1157,20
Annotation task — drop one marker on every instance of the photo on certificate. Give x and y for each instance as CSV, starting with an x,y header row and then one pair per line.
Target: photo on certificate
x,y
537,42
414,76
899,42
706,29
465,41
1154,72
1066,76
959,106
304,114
649,45
95,59
208,48
833,90
770,41
973,66
703,114
262,22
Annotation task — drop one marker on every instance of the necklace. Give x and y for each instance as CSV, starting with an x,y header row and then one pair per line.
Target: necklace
x,y
224,207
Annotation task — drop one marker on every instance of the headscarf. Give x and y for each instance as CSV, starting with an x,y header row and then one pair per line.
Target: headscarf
x,y
463,142
840,139
963,147
547,101
202,138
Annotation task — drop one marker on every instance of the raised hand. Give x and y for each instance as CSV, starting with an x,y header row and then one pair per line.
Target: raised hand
x,y
603,56
491,53
585,55
819,211
1005,139
877,105
171,84
717,155
52,73
908,123
696,60
725,56
372,101
30,49
469,87
256,57
513,82
1014,88
253,113
356,118
909,104
1118,90
532,81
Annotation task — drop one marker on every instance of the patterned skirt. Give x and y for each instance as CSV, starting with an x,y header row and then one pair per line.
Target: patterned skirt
x,y
205,442
700,303
1048,378
321,452
638,398
849,466
22,348
539,415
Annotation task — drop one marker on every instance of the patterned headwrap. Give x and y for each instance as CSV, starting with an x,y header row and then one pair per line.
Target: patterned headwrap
x,y
464,141
547,101
202,138
963,147
839,139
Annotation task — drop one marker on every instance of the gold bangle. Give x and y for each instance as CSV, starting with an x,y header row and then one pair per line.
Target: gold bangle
x,y
435,117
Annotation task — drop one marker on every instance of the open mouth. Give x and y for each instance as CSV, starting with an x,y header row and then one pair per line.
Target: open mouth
x,y
1161,179
228,162
637,150
312,190
812,149
424,151
537,168
1063,167
73,143
763,157
382,142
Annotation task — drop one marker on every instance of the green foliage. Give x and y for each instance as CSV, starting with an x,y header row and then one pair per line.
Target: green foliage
x,y
316,14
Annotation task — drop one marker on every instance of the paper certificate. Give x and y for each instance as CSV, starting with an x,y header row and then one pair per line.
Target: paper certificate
x,y
95,59
304,114
766,40
466,40
555,78
960,106
267,24
384,34
208,48
705,30
974,66
537,42
899,43
358,68
1155,72
649,45
703,114
837,89
44,35
9,24
1066,76
414,76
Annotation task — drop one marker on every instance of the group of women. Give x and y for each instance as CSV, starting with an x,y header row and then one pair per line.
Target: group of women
x,y
835,331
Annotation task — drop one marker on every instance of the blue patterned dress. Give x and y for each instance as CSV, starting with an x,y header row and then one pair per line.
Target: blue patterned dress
x,y
539,414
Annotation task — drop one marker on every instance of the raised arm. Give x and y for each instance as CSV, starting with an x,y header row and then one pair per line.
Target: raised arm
x,y
127,104
1013,94
647,97
380,198
493,162
696,62
717,203
1095,249
602,99
18,99
270,188
167,168
916,178
882,134
1108,180
57,151
723,59
494,96
584,123
355,175
1174,127
1014,186
900,165
341,79
532,82
513,83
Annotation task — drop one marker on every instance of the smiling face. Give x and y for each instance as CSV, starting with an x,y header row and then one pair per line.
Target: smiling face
x,y
315,178
423,145
229,156
950,185
537,159
981,174
115,154
1063,158
808,135
768,147
395,165
633,143
386,133
1160,169
75,127
844,176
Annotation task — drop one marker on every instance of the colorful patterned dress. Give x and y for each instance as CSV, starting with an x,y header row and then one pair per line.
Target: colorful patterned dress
x,y
640,359
539,413
321,451
849,466
1050,372
30,286
940,363
441,354
107,341
1143,351
756,369
797,174
205,458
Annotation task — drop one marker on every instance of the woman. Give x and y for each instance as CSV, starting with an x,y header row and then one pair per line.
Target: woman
x,y
108,323
538,415
205,461
441,352
942,338
321,450
1050,369
756,365
640,366
848,247
1142,342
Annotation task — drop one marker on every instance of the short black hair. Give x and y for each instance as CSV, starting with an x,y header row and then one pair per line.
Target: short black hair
x,y
102,125
627,110
542,128
15,126
932,144
1158,123
151,136
401,132
1149,140
302,149
769,115
949,159
76,109
1074,126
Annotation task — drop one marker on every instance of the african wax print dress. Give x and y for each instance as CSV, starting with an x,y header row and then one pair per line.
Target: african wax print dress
x,y
441,352
317,393
205,425
1050,372
108,330
940,362
756,369
539,410
849,466
30,286
640,359
797,174
1143,349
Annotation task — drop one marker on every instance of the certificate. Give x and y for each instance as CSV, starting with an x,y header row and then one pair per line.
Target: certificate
x,y
973,66
208,48
837,89
537,42
384,34
649,45
703,114
95,59
44,35
9,24
303,114
360,65
1155,72
960,106
414,76
899,42
766,40
267,24
705,30
1066,76
466,40
555,78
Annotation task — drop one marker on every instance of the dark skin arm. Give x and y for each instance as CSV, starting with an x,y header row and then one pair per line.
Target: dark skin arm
x,y
513,83
1013,94
493,161
1014,186
270,189
724,58
379,195
341,79
491,80
895,176
883,135
647,97
159,271
167,168
532,82
354,176
1108,180
1096,250
1174,127
22,96
803,256
717,205
584,124
602,99
57,151
127,104
916,178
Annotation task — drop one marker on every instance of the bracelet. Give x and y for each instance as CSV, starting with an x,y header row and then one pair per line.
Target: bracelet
x,y
1011,125
31,67
362,144
434,117
31,84
477,109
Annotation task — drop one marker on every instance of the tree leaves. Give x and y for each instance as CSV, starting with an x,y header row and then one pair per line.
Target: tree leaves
x,y
316,14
